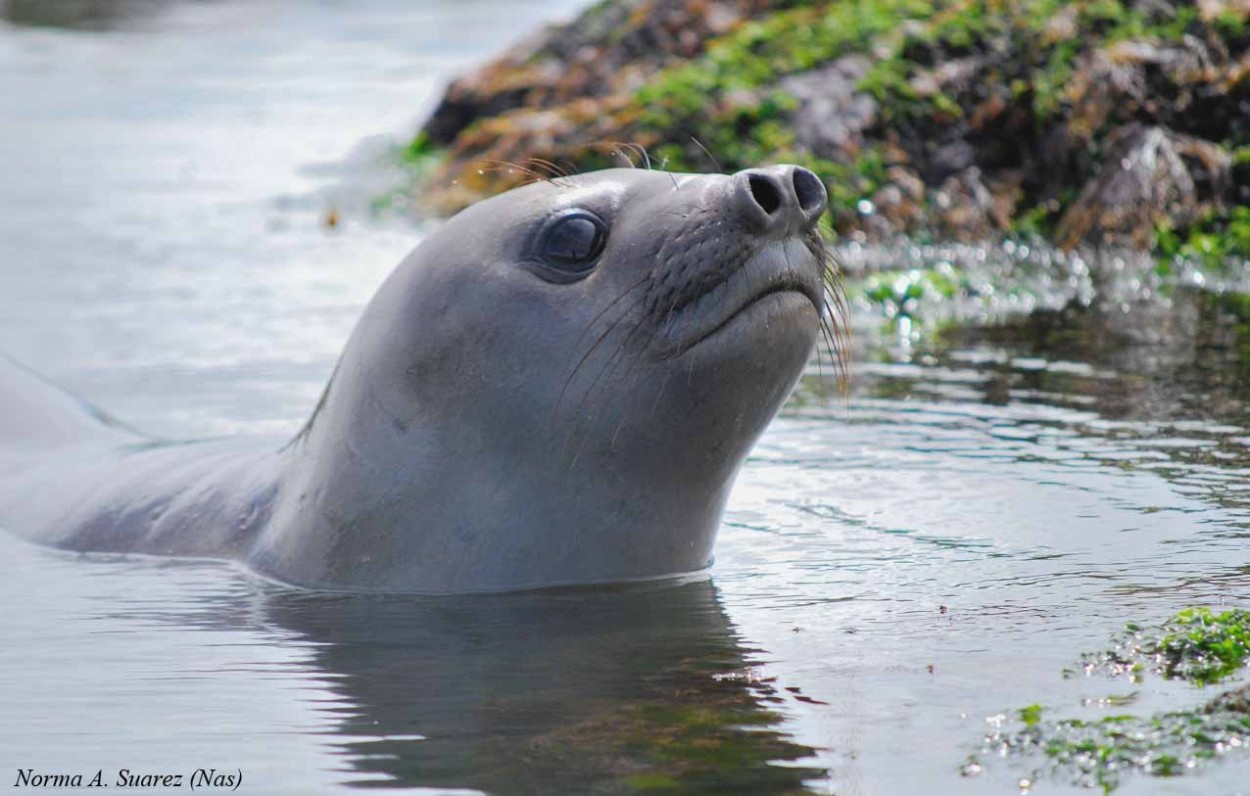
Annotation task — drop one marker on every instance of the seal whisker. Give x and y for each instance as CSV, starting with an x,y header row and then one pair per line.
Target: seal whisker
x,y
710,156
500,165
633,147
612,360
572,373
642,349
608,367
549,166
557,175
616,148
820,320
828,341
576,414
620,424
612,363
660,394
604,311
642,150
834,308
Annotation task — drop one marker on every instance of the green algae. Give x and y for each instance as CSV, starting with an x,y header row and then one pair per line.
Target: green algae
x,y
1100,753
1197,645
420,157
906,294
1000,75
724,100
420,148
948,285
1221,237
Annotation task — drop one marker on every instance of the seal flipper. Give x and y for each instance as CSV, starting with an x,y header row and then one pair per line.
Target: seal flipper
x,y
36,414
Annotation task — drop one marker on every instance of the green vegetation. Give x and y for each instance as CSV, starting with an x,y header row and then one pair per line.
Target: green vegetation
x,y
1220,237
723,101
1197,645
419,149
717,99
1099,753
421,157
1022,102
913,285
915,295
1031,715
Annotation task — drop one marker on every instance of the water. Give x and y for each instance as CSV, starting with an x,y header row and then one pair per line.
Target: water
x,y
995,495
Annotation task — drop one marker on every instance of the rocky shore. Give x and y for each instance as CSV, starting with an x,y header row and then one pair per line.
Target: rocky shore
x,y
1119,123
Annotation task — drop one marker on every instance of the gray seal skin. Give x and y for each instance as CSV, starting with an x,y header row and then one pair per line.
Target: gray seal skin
x,y
556,387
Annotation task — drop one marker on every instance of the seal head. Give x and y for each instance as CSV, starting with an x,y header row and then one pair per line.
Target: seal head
x,y
558,386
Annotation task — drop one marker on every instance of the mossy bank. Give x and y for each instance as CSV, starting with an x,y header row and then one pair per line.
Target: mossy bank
x,y
1106,122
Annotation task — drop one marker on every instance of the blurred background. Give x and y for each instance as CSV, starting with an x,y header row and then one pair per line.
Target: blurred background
x,y
187,186
1041,209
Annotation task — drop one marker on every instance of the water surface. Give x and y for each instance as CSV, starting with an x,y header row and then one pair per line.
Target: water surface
x,y
996,494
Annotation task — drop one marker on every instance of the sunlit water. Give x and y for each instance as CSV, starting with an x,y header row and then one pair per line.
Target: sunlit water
x,y
991,499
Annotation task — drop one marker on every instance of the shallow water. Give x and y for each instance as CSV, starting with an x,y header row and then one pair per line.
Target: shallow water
x,y
999,491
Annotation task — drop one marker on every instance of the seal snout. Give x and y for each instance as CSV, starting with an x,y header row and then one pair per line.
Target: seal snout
x,y
780,200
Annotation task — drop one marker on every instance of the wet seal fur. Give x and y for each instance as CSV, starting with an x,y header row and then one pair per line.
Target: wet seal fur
x,y
556,387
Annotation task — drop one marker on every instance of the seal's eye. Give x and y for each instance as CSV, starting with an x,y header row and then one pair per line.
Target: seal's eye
x,y
574,242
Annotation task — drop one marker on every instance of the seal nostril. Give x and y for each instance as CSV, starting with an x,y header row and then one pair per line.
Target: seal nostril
x,y
809,190
765,193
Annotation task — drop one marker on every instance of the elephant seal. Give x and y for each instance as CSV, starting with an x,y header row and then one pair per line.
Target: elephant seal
x,y
556,387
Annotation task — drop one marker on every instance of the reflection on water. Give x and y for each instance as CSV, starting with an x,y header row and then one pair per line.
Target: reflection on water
x,y
1164,387
996,493
559,692
581,691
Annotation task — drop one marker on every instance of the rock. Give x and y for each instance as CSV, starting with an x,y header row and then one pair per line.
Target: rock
x,y
1214,9
486,94
1146,177
1146,81
963,208
956,76
961,126
832,113
951,159
1061,27
612,47
900,202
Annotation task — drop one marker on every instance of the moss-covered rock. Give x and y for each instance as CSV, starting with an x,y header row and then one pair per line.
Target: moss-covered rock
x,y
1121,122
